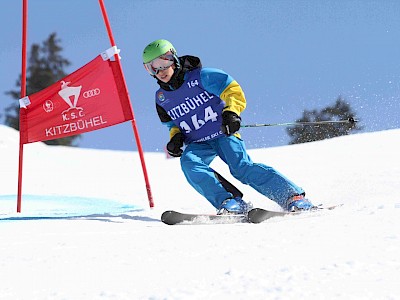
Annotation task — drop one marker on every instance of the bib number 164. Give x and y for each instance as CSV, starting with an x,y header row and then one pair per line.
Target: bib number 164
x,y
209,115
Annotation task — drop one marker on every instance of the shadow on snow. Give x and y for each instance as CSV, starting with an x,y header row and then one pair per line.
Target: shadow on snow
x,y
58,207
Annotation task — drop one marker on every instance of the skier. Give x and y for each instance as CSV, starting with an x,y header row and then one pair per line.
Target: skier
x,y
202,107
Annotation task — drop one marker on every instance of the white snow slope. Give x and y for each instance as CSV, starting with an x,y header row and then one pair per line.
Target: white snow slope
x,y
86,232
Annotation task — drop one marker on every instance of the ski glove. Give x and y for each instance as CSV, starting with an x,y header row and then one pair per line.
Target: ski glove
x,y
230,122
175,144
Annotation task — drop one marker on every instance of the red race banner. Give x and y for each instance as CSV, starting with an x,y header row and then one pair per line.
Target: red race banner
x,y
91,98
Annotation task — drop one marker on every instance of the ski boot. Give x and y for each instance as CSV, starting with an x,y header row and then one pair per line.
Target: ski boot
x,y
298,202
234,206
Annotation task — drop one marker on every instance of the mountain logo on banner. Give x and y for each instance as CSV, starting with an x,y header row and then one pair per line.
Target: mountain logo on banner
x,y
70,95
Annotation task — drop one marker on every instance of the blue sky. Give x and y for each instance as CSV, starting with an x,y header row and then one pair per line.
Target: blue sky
x,y
287,55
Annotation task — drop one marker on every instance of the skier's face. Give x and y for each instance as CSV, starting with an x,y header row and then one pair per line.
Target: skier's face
x,y
165,75
161,67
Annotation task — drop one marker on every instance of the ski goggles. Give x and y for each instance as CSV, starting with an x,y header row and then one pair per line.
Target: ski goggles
x,y
160,63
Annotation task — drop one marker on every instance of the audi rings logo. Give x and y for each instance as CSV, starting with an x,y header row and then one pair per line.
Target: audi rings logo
x,y
91,93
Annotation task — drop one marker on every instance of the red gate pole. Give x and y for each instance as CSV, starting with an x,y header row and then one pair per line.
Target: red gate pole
x,y
23,94
135,130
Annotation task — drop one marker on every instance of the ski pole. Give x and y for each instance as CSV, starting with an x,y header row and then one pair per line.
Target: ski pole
x,y
348,121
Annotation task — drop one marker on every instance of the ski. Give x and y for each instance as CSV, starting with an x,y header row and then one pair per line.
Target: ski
x,y
258,215
171,217
255,215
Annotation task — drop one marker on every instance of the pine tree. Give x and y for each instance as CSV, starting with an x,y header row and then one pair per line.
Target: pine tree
x,y
309,133
45,67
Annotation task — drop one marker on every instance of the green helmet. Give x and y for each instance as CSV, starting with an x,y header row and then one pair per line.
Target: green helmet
x,y
157,48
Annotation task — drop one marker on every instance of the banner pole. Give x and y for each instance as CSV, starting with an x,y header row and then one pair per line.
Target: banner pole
x,y
23,94
135,129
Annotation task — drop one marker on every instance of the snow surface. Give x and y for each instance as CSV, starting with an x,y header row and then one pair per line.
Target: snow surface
x,y
86,232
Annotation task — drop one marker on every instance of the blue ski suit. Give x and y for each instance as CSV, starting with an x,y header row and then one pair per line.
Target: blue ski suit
x,y
192,104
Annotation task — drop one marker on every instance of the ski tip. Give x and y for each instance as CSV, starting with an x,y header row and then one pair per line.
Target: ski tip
x,y
166,217
253,215
258,215
323,207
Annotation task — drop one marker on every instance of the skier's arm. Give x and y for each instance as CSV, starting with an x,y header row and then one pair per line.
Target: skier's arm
x,y
223,85
167,121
